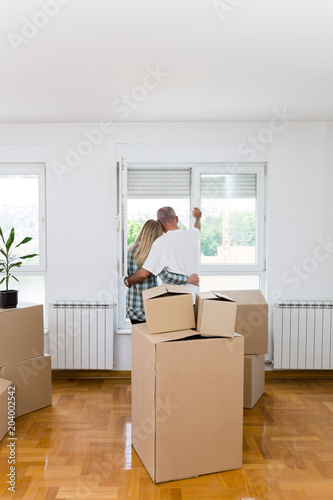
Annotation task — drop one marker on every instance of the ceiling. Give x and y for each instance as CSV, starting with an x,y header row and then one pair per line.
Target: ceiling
x,y
158,60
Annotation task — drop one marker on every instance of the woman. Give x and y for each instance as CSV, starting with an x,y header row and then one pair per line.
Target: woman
x,y
136,255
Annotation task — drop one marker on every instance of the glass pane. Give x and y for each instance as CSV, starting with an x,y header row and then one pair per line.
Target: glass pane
x,y
247,282
228,232
139,210
19,209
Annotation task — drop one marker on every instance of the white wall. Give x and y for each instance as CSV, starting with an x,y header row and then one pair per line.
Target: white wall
x,y
82,204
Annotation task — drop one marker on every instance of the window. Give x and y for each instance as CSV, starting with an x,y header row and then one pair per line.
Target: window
x,y
232,203
231,197
228,203
149,189
22,206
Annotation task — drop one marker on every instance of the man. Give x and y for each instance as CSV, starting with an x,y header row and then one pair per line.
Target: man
x,y
177,250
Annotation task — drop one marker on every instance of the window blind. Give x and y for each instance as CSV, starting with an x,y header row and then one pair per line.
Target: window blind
x,y
229,186
158,183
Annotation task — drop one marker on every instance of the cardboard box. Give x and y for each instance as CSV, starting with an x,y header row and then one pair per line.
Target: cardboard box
x,y
4,384
215,314
251,319
168,308
32,380
187,403
21,333
254,378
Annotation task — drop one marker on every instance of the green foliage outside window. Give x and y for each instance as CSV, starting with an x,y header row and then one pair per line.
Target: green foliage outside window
x,y
133,228
242,229
211,235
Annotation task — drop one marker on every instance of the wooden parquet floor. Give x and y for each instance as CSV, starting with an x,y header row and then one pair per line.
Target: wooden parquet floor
x,y
80,448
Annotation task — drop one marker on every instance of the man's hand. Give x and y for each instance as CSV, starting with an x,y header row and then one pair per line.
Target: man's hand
x,y
193,279
197,214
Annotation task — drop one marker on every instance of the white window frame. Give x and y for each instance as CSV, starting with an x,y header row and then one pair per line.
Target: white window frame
x,y
123,166
197,156
259,170
39,170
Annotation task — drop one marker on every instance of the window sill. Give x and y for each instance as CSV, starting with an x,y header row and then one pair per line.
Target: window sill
x,y
124,332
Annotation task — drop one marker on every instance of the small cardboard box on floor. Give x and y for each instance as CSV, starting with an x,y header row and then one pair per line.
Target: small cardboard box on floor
x,y
168,308
32,381
215,314
4,414
251,319
187,403
21,333
254,379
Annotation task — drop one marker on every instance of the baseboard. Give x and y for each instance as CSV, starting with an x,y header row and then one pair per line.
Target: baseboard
x,y
114,374
126,374
275,374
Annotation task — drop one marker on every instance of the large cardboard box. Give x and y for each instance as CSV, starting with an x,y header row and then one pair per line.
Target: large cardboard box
x,y
32,380
187,403
254,378
251,319
4,384
215,314
21,333
168,308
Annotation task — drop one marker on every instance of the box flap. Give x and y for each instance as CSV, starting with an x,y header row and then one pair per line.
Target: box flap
x,y
156,291
223,297
244,296
205,295
177,289
213,295
158,338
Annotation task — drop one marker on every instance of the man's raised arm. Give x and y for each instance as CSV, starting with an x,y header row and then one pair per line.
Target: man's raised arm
x,y
197,214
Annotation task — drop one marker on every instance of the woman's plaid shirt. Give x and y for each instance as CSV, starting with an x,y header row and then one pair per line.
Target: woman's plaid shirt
x,y
134,300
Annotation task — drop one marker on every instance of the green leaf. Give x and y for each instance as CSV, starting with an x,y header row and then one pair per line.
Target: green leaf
x,y
16,264
29,256
10,240
3,279
3,252
13,277
2,237
25,240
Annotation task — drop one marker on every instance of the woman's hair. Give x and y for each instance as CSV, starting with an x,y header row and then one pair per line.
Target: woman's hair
x,y
151,230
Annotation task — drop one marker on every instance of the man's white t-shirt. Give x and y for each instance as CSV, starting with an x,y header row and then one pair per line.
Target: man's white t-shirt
x,y
179,251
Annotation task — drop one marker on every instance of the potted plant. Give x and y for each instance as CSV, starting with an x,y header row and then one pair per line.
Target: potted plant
x,y
8,261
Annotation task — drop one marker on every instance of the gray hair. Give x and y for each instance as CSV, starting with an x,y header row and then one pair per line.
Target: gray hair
x,y
165,215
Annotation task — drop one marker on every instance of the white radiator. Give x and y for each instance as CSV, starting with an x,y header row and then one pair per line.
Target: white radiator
x,y
303,332
81,335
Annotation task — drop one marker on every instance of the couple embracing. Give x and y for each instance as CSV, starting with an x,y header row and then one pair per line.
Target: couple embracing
x,y
173,256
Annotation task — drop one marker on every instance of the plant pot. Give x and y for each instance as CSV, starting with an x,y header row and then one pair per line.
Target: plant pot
x,y
8,298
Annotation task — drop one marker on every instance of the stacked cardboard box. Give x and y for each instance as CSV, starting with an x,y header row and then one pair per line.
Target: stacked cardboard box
x,y
215,314
187,391
252,323
22,360
168,308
